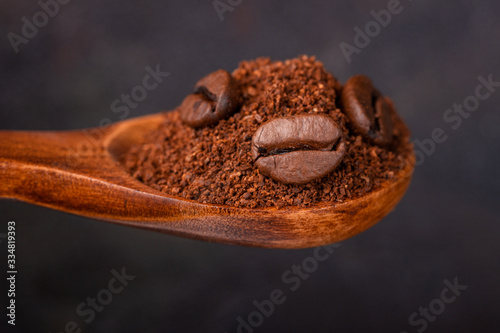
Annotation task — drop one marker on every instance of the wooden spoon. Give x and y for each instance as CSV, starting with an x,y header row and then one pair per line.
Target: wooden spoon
x,y
81,172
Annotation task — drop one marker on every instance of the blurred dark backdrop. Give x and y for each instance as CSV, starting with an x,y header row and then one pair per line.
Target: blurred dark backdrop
x,y
427,58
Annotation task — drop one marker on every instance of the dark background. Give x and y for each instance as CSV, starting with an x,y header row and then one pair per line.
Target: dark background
x,y
447,225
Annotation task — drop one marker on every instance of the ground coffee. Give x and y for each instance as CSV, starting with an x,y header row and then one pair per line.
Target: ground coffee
x,y
213,162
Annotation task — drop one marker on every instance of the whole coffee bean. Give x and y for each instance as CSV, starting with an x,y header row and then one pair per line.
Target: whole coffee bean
x,y
215,97
368,110
299,149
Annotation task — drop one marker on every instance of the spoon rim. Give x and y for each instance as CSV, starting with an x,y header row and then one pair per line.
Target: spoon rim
x,y
403,174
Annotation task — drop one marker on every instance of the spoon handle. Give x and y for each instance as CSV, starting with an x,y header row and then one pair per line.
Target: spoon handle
x,y
65,171
35,165
68,171
42,148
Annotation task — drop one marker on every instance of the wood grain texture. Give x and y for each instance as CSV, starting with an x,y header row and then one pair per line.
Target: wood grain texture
x,y
76,173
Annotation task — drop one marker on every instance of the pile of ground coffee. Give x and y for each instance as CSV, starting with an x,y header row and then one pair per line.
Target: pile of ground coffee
x,y
214,164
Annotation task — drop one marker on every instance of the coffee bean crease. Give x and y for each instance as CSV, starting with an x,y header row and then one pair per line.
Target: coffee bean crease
x,y
215,97
368,110
299,149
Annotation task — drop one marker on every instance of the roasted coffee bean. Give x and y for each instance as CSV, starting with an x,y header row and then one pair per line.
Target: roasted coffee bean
x,y
215,97
299,149
368,110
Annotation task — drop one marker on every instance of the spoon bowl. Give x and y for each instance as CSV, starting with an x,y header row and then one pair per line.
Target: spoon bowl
x,y
82,172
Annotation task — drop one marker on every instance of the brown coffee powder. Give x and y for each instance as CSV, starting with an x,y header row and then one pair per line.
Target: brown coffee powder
x,y
214,164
